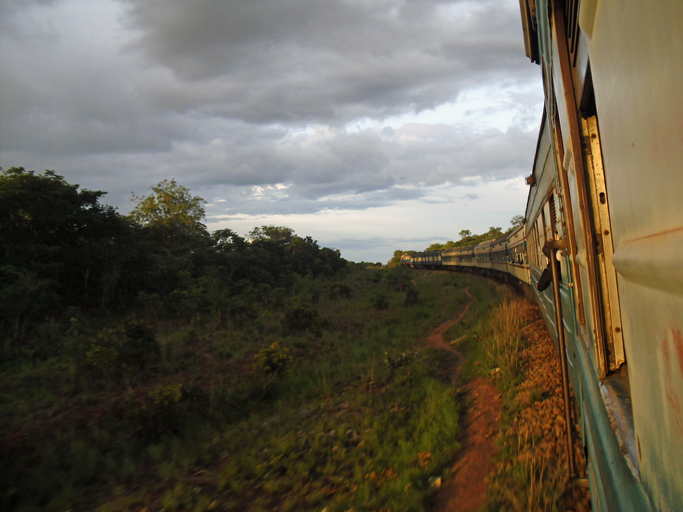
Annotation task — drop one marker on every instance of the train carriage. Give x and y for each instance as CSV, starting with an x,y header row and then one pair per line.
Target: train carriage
x,y
482,255
451,257
607,193
518,264
499,257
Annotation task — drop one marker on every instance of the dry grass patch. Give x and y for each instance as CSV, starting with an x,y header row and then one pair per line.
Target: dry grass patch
x,y
532,469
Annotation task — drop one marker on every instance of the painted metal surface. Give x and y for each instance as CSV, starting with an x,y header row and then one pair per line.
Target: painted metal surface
x,y
626,60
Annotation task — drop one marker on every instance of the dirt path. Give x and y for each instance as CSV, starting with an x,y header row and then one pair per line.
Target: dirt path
x,y
465,491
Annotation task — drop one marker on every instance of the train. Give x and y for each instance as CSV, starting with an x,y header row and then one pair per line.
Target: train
x,y
601,246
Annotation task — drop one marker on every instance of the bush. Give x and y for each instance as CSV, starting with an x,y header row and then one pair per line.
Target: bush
x,y
398,278
140,348
242,312
101,362
273,360
113,353
301,318
159,413
412,296
381,301
339,290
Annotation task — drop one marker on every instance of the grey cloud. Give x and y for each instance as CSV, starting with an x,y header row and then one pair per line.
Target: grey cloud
x,y
323,59
223,95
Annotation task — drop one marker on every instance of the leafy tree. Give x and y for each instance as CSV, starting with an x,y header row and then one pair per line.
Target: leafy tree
x,y
435,247
171,211
465,233
22,294
516,221
273,233
494,233
52,232
227,241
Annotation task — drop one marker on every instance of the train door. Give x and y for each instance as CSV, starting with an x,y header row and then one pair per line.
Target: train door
x,y
598,290
604,249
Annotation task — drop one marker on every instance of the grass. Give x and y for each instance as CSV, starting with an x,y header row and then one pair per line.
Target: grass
x,y
201,427
531,473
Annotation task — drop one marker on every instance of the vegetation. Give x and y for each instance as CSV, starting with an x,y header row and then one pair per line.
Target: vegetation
x,y
352,413
513,347
157,365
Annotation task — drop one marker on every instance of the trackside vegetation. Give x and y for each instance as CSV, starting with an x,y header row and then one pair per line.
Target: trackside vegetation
x,y
148,364
341,409
511,346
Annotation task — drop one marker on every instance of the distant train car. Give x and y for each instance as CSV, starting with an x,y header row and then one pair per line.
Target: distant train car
x,y
451,257
429,259
406,260
518,264
482,255
499,257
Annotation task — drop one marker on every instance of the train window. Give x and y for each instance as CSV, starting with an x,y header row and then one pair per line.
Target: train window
x,y
553,214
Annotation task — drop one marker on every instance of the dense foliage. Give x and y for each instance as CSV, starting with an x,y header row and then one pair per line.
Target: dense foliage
x,y
62,248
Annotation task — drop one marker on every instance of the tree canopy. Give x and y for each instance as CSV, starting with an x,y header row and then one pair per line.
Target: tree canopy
x,y
171,211
61,248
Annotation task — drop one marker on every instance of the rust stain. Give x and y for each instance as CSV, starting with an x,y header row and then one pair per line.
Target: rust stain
x,y
678,341
675,403
655,235
672,396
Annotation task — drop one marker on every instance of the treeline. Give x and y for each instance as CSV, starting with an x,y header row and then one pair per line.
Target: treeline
x,y
466,238
61,248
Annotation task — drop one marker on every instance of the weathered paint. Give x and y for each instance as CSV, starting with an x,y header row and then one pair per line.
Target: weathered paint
x,y
635,51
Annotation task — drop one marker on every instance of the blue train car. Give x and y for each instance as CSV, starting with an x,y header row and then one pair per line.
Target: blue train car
x,y
605,201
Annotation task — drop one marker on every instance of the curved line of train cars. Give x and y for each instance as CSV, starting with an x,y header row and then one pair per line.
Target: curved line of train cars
x,y
607,190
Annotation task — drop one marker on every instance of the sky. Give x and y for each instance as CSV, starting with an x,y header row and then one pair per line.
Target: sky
x,y
369,125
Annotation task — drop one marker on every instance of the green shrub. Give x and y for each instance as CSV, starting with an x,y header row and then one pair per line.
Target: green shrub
x,y
242,312
98,358
101,363
381,301
139,349
273,360
398,278
339,290
301,318
412,296
159,413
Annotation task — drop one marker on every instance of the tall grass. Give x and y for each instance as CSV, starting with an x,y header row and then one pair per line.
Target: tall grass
x,y
504,348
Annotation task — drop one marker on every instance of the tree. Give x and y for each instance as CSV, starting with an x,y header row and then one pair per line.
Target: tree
x,y
516,221
52,232
465,233
435,247
273,233
494,233
171,211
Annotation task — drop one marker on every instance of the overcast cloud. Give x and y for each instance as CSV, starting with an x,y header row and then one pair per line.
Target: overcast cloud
x,y
369,125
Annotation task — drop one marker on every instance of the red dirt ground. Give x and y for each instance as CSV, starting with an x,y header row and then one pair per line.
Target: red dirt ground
x,y
466,490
